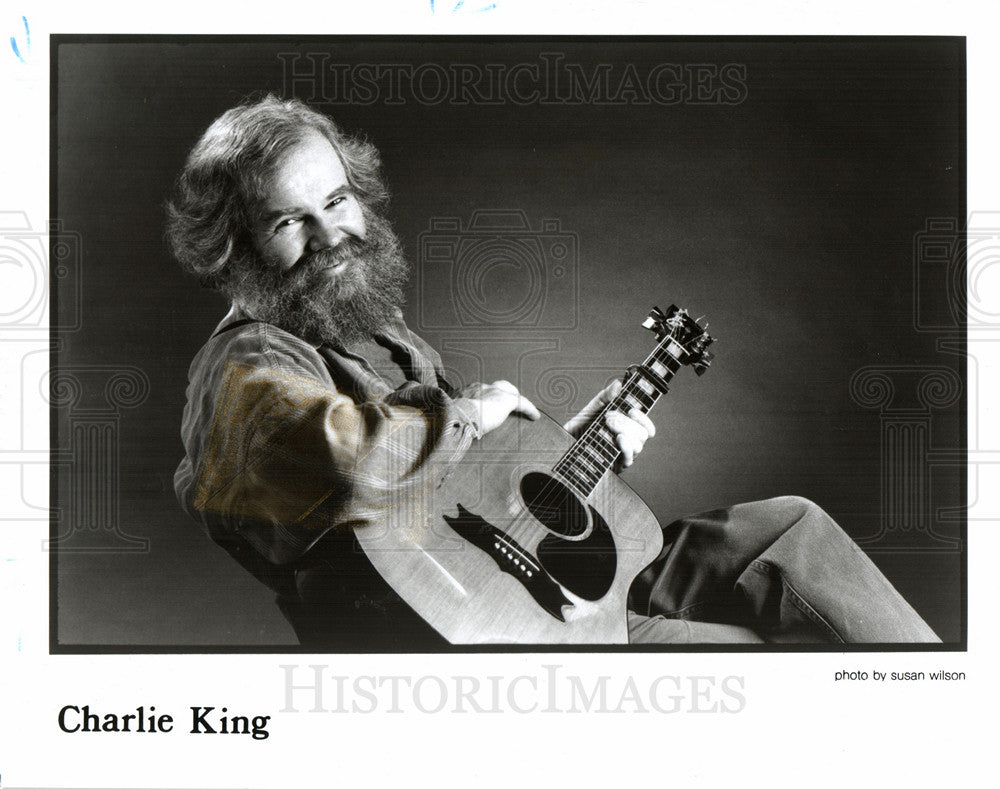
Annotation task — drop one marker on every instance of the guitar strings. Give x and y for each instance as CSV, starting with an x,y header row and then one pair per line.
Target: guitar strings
x,y
597,437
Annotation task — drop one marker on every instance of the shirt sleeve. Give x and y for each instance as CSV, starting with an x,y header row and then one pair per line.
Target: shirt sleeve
x,y
289,457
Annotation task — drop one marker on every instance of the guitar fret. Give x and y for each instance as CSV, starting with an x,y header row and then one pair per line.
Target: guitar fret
x,y
577,472
644,400
664,357
673,348
633,402
655,375
583,465
659,368
588,464
607,456
586,460
590,455
566,476
605,442
596,461
667,365
592,476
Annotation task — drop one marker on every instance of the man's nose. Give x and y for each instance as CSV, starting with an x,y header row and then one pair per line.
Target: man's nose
x,y
326,234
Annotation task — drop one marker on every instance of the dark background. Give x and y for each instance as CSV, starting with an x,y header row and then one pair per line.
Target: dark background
x,y
787,219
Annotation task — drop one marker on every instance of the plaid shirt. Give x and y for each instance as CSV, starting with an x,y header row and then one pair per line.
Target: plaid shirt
x,y
285,441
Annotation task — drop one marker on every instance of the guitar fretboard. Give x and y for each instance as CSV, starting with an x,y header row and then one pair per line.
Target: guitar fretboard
x,y
596,450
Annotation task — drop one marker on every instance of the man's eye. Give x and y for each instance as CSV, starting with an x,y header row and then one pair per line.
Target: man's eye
x,y
336,201
284,224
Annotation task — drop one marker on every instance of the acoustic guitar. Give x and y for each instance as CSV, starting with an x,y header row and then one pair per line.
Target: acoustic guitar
x,y
529,539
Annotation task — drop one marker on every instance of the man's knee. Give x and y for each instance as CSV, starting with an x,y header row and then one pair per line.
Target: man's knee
x,y
758,524
738,534
791,510
797,504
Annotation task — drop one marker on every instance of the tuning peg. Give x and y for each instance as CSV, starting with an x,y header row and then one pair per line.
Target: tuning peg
x,y
702,362
658,321
656,317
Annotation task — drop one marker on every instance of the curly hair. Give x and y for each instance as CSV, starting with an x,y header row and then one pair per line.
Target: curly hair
x,y
225,174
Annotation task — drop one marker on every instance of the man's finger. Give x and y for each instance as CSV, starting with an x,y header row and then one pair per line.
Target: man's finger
x,y
527,408
610,392
637,415
505,386
623,425
630,435
630,447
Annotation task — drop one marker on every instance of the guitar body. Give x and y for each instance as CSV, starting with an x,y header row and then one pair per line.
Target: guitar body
x,y
531,539
503,551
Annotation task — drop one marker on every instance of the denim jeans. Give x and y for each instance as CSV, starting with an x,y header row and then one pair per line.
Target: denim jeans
x,y
774,571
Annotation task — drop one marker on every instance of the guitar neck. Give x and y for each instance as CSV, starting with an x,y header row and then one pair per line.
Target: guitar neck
x,y
596,450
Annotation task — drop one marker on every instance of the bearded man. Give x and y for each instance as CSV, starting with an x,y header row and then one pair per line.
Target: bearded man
x,y
312,408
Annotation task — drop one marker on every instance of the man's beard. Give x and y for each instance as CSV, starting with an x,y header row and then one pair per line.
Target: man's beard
x,y
355,303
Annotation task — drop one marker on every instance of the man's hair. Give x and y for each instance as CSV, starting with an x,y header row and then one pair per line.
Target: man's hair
x,y
209,217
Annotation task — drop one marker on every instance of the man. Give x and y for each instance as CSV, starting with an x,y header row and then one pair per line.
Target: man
x,y
313,408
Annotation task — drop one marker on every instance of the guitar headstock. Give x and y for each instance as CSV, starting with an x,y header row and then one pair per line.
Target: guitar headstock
x,y
688,333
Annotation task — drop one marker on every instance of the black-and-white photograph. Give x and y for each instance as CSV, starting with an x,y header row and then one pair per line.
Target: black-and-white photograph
x,y
387,344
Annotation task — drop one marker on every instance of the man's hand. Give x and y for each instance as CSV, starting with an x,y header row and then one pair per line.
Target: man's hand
x,y
497,401
631,430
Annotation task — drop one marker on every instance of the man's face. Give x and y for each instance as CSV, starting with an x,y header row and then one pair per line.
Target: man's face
x,y
323,266
310,206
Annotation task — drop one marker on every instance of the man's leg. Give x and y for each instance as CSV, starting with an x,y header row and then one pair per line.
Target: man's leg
x,y
668,630
781,570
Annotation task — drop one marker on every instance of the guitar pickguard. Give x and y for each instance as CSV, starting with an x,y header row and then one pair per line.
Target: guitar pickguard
x,y
585,567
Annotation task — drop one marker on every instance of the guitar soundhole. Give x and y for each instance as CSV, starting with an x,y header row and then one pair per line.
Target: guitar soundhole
x,y
554,505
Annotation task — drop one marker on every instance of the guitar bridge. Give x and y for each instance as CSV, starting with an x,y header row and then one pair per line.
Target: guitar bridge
x,y
512,559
